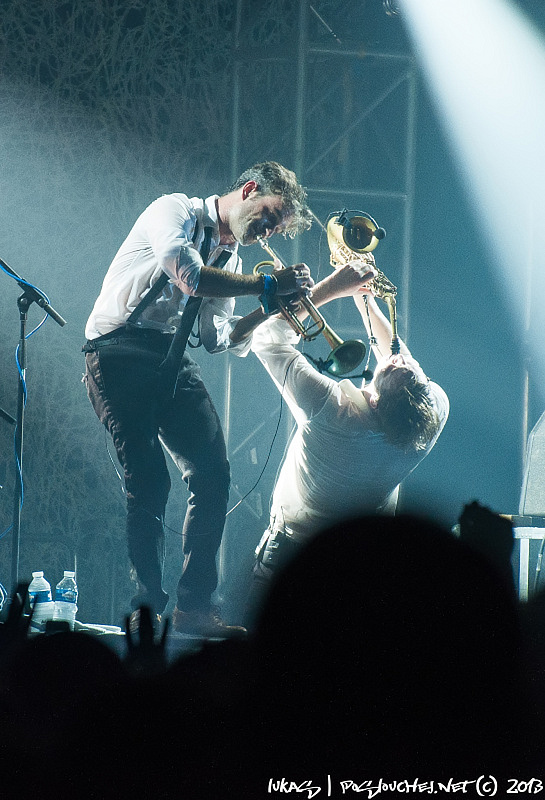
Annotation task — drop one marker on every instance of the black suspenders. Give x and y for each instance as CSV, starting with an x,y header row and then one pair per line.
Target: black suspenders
x,y
162,281
177,347
148,299
173,358
159,285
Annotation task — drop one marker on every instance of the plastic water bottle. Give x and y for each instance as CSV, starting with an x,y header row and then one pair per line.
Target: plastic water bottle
x,y
39,593
66,598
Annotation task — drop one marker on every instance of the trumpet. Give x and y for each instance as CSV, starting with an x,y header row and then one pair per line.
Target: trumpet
x,y
344,356
350,232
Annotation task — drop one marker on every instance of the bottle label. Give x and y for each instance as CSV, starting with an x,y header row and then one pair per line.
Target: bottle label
x,y
40,597
66,595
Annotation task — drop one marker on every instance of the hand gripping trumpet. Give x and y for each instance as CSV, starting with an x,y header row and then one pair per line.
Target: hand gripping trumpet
x,y
344,356
355,232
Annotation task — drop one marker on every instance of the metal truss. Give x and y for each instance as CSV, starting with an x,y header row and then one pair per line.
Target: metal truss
x,y
343,116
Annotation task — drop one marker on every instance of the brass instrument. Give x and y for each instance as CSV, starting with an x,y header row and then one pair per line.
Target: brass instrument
x,y
350,232
344,356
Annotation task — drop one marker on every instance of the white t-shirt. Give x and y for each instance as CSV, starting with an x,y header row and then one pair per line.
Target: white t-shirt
x,y
336,464
161,241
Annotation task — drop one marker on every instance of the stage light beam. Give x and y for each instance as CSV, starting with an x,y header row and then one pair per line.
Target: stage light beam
x,y
485,64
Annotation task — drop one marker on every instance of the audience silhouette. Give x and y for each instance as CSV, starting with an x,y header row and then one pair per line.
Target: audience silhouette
x,y
387,648
390,647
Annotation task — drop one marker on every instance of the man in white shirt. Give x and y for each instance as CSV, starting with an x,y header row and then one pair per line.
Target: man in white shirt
x,y
352,447
148,392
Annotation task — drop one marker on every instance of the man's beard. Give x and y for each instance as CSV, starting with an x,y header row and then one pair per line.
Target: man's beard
x,y
244,228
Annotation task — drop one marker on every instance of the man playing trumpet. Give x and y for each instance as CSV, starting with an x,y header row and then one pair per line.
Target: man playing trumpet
x,y
352,447
149,393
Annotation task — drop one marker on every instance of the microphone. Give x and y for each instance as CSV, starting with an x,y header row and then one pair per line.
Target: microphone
x,y
324,366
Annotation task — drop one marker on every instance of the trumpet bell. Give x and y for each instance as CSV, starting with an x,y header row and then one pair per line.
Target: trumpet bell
x,y
354,229
345,357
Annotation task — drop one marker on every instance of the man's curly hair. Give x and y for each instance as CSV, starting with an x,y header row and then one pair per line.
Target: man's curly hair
x,y
406,412
273,178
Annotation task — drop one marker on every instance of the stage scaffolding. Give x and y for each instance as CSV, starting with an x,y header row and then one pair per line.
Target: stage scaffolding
x,y
109,105
343,116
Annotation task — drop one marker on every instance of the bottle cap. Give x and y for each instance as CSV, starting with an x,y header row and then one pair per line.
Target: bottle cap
x,y
37,574
68,574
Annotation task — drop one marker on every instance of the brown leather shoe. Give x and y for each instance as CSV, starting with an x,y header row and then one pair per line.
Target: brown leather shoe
x,y
207,624
142,617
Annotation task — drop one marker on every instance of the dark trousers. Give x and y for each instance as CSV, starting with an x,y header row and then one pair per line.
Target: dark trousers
x,y
275,553
135,402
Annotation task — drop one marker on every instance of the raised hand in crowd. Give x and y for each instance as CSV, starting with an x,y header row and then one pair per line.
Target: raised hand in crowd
x,y
146,654
14,629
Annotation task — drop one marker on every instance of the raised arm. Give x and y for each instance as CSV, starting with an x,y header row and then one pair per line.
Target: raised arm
x,y
353,280
219,283
377,325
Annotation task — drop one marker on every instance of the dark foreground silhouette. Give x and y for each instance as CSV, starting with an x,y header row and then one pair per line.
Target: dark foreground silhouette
x,y
386,649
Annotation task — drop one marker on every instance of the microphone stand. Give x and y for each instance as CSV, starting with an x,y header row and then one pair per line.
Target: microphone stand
x,y
7,417
30,295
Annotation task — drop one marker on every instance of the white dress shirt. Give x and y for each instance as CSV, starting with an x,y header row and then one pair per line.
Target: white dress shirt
x,y
161,241
336,465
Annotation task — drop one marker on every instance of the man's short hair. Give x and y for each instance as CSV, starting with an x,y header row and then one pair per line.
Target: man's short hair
x,y
272,178
406,411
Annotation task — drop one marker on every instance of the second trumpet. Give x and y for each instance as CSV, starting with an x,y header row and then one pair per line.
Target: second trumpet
x,y
344,356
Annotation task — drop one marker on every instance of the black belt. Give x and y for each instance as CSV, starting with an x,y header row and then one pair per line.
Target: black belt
x,y
121,335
